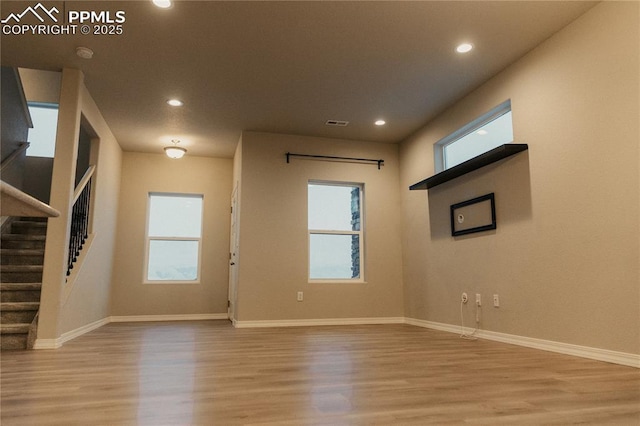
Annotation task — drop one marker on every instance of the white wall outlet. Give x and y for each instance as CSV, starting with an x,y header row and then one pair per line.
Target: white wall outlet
x,y
478,299
496,301
300,296
465,298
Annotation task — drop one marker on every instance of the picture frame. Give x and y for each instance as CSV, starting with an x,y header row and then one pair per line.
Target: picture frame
x,y
475,215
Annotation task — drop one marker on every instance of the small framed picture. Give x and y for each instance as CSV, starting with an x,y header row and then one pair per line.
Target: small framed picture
x,y
475,215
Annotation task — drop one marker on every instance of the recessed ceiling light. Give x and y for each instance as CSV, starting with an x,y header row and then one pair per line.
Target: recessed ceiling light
x,y
464,48
164,4
380,123
175,102
482,132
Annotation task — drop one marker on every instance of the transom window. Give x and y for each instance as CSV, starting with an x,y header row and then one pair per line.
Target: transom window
x,y
489,131
174,237
336,237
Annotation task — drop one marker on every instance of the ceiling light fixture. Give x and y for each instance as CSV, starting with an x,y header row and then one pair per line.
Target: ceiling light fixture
x,y
163,4
464,48
175,102
380,123
175,151
482,132
84,52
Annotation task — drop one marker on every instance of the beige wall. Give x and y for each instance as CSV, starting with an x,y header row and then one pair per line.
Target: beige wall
x,y
564,258
84,298
273,238
88,300
144,173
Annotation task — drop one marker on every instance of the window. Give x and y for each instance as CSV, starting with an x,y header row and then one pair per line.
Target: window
x,y
335,231
489,131
42,136
174,236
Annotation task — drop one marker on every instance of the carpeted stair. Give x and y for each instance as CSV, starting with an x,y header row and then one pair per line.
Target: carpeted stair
x,y
22,257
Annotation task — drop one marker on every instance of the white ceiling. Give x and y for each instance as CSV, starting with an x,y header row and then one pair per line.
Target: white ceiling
x,y
287,67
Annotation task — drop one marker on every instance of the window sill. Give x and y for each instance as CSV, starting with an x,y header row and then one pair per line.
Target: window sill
x,y
171,282
326,281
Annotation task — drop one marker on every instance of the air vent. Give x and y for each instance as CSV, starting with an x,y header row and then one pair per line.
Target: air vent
x,y
338,123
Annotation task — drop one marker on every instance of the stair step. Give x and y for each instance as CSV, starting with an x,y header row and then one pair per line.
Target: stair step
x,y
23,241
29,227
33,219
21,273
11,342
14,328
18,312
20,292
21,268
21,256
19,306
20,287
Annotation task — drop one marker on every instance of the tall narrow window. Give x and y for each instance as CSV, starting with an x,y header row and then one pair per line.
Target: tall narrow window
x,y
42,136
174,237
489,131
335,223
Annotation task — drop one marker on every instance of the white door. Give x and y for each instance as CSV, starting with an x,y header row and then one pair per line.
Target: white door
x,y
233,257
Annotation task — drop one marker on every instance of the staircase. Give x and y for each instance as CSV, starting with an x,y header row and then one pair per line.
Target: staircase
x,y
22,258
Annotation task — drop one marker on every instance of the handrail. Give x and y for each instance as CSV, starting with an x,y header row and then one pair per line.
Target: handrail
x,y
18,203
83,182
21,147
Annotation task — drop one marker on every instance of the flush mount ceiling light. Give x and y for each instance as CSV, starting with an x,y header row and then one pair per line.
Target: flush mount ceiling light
x,y
84,52
482,132
464,48
163,4
175,151
380,123
175,102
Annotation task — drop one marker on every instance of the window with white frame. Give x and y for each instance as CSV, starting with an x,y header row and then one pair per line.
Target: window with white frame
x,y
42,136
174,237
483,134
336,231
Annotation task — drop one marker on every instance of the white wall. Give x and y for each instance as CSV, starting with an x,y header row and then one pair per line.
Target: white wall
x,y
565,256
144,173
274,240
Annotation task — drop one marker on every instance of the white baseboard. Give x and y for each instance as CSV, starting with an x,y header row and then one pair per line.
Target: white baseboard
x,y
69,335
318,322
179,317
47,344
622,358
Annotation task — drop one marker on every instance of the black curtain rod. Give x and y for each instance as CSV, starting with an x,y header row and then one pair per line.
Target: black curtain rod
x,y
330,158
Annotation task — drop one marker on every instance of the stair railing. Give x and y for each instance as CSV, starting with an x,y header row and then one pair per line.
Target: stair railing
x,y
80,217
15,154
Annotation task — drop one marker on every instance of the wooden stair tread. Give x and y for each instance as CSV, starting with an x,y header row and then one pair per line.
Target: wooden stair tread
x,y
18,328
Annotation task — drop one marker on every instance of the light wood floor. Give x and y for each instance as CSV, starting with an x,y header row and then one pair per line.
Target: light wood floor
x,y
208,373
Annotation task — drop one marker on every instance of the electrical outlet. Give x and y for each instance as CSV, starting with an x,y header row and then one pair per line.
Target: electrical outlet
x,y
496,301
478,299
465,298
300,296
